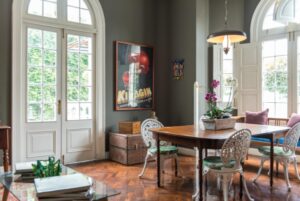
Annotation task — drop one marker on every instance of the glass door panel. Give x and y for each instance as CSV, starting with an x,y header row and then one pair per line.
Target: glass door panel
x,y
275,77
41,75
79,77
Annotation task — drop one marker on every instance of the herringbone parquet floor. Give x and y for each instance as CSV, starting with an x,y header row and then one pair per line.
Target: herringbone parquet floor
x,y
125,179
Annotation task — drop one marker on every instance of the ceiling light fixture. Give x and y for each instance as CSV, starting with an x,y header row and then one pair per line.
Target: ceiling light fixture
x,y
226,37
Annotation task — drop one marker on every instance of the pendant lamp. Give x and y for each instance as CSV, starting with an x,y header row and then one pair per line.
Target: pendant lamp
x,y
226,37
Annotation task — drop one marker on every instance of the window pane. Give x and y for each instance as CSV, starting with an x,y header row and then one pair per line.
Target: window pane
x,y
73,94
79,77
269,23
73,42
86,78
268,49
35,7
49,94
85,94
86,44
34,57
85,61
85,111
83,5
50,9
73,111
74,3
34,75
49,112
275,77
85,17
49,58
73,78
41,75
34,38
46,8
73,59
34,94
49,40
49,76
227,66
73,14
34,112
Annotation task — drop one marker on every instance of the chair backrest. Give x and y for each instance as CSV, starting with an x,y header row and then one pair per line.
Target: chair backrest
x,y
236,147
147,134
291,138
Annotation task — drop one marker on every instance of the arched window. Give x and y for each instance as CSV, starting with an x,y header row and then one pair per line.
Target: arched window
x,y
59,51
275,27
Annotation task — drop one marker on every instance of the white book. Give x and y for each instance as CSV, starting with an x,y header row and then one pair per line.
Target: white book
x,y
25,167
45,187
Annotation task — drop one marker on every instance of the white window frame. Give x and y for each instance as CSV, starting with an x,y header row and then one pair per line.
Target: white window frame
x,y
19,17
259,35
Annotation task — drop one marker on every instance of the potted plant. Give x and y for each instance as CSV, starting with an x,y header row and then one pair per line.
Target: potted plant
x,y
216,118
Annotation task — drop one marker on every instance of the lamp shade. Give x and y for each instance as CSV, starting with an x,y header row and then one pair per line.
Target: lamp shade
x,y
234,36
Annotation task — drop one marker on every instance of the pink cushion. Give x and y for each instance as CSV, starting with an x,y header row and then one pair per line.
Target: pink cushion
x,y
257,117
295,118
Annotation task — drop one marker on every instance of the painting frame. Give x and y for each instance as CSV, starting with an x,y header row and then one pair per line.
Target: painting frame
x,y
134,76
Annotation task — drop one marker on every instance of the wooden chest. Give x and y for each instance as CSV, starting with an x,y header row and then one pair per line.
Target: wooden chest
x,y
127,149
130,127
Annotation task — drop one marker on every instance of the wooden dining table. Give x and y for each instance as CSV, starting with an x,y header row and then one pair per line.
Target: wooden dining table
x,y
188,136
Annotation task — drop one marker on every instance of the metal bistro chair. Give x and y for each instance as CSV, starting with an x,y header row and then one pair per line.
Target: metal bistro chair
x,y
166,151
283,154
233,153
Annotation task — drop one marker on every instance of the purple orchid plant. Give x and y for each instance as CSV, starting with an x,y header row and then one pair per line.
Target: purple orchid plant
x,y
214,112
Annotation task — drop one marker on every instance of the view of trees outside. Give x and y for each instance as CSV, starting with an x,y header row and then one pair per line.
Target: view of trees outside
x,y
42,69
275,77
41,75
79,77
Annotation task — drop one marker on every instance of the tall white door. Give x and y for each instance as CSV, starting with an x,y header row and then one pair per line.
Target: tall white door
x,y
78,136
60,95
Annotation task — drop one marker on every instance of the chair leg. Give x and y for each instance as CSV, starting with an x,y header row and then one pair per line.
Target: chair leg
x,y
226,179
286,175
176,165
245,187
145,164
296,168
260,169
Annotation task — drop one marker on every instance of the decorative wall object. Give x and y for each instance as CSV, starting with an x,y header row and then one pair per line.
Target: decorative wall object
x,y
134,76
177,68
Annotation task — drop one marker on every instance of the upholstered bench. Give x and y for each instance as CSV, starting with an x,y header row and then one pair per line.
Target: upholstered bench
x,y
258,142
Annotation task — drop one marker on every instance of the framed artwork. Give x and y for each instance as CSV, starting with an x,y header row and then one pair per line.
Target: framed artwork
x,y
177,69
134,76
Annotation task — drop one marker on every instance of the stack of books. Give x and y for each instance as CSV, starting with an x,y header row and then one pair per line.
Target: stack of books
x,y
66,187
25,170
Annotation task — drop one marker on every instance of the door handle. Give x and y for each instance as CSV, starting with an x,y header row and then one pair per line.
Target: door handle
x,y
59,107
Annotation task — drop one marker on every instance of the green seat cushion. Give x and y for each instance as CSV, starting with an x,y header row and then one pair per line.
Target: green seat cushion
x,y
278,151
164,149
215,162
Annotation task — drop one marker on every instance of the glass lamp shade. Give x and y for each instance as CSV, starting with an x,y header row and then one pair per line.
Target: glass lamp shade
x,y
233,36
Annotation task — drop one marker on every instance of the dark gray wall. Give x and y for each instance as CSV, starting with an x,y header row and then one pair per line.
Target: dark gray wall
x,y
249,8
182,36
5,58
175,39
133,21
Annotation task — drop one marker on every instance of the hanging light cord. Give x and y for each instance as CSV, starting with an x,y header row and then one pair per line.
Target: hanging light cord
x,y
226,13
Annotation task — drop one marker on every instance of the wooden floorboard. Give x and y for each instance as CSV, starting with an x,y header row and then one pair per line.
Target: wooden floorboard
x,y
125,180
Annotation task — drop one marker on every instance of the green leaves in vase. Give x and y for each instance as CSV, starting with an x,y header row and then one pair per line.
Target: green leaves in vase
x,y
47,168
